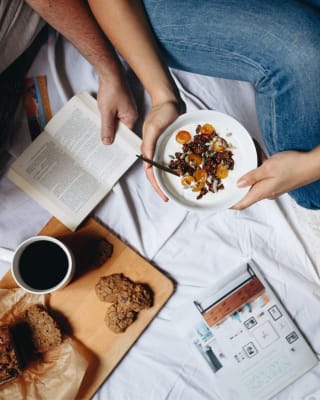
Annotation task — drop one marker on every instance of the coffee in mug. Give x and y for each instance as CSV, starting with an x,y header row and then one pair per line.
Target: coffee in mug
x,y
42,264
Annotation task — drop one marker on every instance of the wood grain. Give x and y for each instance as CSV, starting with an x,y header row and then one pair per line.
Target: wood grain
x,y
83,313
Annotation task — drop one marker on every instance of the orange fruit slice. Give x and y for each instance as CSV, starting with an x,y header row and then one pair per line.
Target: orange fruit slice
x,y
194,159
187,180
198,186
222,171
183,137
219,144
200,175
207,129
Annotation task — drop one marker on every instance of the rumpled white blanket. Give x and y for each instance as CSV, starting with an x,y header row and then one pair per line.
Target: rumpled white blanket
x,y
195,249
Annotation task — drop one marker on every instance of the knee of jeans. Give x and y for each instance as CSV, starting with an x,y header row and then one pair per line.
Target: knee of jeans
x,y
307,196
292,66
300,52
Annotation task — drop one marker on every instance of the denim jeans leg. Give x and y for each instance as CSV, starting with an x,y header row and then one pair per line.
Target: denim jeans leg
x,y
272,44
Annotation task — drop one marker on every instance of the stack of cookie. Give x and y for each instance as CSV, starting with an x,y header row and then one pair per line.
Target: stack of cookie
x,y
128,298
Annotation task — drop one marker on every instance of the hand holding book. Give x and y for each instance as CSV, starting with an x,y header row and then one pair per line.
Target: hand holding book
x,y
67,169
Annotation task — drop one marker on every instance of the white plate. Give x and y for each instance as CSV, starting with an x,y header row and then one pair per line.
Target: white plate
x,y
244,155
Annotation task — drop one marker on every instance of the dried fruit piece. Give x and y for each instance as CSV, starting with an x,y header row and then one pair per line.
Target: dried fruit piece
x,y
194,159
183,137
222,171
198,187
207,130
187,180
200,175
219,144
198,161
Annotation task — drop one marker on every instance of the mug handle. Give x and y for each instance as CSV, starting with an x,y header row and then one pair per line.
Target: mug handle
x,y
6,254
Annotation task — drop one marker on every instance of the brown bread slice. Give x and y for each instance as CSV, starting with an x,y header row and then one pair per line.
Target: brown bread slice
x,y
10,366
44,330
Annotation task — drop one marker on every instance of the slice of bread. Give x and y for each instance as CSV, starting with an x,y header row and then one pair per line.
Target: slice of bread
x,y
10,366
44,330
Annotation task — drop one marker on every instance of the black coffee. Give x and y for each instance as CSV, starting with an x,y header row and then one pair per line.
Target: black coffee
x,y
43,265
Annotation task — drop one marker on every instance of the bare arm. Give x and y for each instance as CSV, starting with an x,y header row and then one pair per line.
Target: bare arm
x,y
281,173
126,25
73,19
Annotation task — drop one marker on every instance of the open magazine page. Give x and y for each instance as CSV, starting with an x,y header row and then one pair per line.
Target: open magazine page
x,y
67,169
247,339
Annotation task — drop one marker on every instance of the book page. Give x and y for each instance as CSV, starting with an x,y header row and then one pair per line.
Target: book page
x,y
77,129
48,174
67,169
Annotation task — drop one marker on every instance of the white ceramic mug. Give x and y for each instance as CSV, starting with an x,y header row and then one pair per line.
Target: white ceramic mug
x,y
42,264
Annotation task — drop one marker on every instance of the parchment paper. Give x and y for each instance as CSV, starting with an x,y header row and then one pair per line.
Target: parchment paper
x,y
57,374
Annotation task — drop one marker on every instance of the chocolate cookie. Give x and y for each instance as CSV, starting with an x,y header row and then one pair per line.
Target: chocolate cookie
x,y
141,297
118,318
114,288
103,251
128,299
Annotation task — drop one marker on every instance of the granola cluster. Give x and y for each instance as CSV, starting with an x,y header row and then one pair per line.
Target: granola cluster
x,y
205,160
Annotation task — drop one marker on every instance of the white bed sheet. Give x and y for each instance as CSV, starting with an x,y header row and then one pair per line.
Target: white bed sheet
x,y
194,249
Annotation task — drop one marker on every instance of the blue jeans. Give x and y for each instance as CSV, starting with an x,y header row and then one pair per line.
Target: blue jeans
x,y
273,44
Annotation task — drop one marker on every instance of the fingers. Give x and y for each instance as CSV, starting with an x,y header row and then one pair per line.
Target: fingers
x,y
256,193
160,117
129,119
253,176
147,149
116,103
148,146
152,129
109,122
150,175
260,180
108,127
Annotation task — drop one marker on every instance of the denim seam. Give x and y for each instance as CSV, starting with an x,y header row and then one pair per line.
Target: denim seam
x,y
273,123
202,47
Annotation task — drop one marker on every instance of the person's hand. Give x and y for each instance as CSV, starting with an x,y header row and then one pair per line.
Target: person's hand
x,y
116,103
159,118
277,175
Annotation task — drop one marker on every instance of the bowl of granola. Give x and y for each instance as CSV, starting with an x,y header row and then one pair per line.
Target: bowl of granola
x,y
209,151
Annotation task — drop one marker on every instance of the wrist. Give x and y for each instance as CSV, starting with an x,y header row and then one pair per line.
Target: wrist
x,y
165,93
110,72
312,163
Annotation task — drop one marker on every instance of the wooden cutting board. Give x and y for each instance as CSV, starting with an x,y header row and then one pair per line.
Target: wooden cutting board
x,y
84,313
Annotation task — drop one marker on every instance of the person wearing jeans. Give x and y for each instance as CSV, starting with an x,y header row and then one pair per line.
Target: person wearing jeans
x,y
273,44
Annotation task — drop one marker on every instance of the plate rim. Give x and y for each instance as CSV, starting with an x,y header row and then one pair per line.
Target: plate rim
x,y
164,137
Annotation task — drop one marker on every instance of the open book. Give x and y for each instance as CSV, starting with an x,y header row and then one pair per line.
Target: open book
x,y
67,169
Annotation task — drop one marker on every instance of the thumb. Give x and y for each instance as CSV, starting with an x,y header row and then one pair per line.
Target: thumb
x,y
257,193
108,127
253,176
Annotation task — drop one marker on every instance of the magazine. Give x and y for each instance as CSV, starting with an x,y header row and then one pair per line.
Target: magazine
x,y
248,339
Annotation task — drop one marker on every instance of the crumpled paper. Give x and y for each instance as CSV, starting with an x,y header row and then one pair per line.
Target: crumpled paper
x,y
59,372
